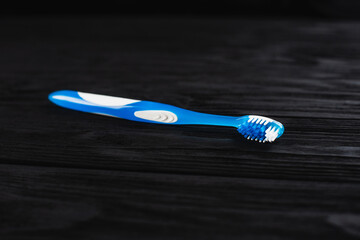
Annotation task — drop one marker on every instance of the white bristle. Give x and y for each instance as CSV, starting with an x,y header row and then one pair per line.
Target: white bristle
x,y
259,120
271,134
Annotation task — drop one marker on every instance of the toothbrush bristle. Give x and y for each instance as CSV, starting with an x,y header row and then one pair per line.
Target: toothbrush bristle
x,y
261,129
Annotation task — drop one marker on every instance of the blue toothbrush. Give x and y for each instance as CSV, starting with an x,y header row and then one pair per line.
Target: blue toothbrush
x,y
252,127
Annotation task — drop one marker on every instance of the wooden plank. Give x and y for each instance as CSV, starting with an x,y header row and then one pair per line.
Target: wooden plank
x,y
43,202
75,175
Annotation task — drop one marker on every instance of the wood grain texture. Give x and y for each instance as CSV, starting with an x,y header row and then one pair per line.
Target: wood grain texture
x,y
70,175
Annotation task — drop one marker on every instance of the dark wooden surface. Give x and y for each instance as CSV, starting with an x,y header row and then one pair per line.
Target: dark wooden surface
x,y
70,175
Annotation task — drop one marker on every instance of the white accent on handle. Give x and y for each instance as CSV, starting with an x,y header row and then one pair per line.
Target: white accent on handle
x,y
157,116
107,101
71,99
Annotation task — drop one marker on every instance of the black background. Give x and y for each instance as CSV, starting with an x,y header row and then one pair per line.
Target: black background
x,y
324,9
71,175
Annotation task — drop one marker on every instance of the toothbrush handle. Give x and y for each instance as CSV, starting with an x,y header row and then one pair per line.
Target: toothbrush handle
x,y
136,110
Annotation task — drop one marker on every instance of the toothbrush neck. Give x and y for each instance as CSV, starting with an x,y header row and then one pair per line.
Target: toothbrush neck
x,y
210,119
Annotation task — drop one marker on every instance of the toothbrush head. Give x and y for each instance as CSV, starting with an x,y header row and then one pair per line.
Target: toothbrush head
x,y
260,128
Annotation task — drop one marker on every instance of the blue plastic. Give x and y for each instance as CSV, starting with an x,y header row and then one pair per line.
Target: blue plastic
x,y
178,116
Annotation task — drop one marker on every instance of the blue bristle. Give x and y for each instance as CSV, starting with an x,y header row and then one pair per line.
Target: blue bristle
x,y
253,130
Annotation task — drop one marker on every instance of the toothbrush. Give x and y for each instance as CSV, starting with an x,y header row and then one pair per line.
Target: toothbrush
x,y
252,127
